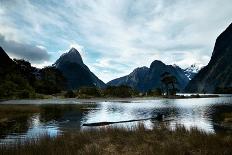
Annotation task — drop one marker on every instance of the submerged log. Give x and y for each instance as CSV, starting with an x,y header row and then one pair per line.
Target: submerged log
x,y
133,120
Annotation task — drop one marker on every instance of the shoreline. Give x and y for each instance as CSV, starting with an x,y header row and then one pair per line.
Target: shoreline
x,y
107,99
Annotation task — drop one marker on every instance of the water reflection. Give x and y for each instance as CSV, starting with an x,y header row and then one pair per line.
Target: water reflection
x,y
54,119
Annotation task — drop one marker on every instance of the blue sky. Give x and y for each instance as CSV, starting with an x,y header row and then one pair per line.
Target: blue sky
x,y
113,36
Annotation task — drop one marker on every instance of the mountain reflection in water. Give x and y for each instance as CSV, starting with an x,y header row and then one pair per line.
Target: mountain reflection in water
x,y
54,119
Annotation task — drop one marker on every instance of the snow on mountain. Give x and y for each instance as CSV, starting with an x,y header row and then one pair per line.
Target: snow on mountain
x,y
191,71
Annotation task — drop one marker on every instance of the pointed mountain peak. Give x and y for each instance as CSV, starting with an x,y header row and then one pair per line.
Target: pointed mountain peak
x,y
72,56
223,40
175,65
4,58
3,53
195,68
73,50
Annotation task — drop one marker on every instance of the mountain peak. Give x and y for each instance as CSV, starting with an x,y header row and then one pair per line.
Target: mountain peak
x,y
3,53
217,73
195,68
72,56
73,50
4,58
156,63
175,65
223,40
192,70
144,78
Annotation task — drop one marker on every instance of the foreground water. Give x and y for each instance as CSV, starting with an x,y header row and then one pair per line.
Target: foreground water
x,y
56,116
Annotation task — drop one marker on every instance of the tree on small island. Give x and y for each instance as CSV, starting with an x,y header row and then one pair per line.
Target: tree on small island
x,y
169,80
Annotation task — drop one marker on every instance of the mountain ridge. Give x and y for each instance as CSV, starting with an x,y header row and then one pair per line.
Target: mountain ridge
x,y
144,78
218,72
76,72
192,70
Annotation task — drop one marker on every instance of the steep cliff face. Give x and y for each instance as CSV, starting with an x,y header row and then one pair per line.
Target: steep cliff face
x,y
76,72
7,65
218,72
4,58
144,78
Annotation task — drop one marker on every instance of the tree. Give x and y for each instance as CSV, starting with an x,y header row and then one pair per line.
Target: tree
x,y
119,91
69,94
169,80
89,91
26,70
51,81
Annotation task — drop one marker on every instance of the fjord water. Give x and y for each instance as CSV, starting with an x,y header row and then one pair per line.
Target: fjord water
x,y
57,116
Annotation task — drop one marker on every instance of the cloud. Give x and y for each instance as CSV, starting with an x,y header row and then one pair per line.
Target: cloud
x,y
115,36
35,54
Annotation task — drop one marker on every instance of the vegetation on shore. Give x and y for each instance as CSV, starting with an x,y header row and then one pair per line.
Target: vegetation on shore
x,y
139,140
22,81
111,91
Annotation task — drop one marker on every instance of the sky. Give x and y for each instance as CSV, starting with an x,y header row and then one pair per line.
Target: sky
x,y
113,36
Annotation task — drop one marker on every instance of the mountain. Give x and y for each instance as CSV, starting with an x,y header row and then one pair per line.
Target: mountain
x,y
144,78
134,79
7,65
12,81
218,72
73,56
191,71
76,72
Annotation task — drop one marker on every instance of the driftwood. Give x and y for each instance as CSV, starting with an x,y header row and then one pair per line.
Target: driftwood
x,y
133,120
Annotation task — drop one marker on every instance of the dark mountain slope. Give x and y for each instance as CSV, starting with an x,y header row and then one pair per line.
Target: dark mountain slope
x,y
6,63
218,72
144,79
12,82
76,72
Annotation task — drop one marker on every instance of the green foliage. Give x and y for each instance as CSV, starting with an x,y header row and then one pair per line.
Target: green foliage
x,y
155,92
26,70
119,91
15,86
21,80
223,90
51,81
169,82
69,94
89,92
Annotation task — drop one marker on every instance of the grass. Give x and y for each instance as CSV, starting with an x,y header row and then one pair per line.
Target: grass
x,y
160,141
228,117
11,111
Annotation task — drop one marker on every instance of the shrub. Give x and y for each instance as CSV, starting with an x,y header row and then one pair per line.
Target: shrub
x,y
119,91
70,94
89,91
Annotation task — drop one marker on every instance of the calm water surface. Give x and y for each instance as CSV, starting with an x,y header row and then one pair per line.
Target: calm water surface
x,y
64,115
